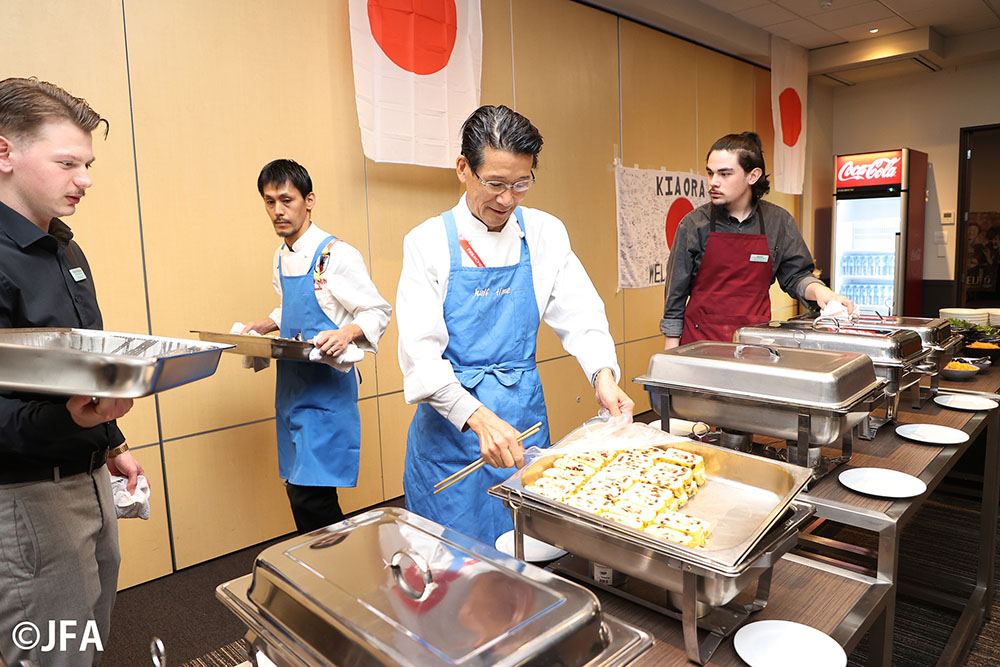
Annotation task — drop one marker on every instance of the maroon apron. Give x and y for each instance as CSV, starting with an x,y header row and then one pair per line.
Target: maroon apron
x,y
731,287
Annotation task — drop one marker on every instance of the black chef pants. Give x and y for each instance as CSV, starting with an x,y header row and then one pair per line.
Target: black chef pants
x,y
313,506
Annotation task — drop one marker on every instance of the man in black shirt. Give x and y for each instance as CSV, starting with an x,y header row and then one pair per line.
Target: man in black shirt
x,y
58,533
726,253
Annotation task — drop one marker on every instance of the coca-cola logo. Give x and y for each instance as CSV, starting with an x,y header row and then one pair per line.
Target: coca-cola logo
x,y
878,169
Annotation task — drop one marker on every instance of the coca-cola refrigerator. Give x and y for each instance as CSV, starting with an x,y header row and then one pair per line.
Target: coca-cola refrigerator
x,y
878,231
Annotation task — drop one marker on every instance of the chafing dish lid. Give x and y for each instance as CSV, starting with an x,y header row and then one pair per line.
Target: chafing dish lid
x,y
932,332
408,591
823,378
885,347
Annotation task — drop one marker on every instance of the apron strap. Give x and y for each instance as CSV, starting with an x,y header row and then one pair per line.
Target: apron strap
x,y
507,373
455,244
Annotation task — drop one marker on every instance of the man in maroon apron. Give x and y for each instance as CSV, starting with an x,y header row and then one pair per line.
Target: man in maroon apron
x,y
727,253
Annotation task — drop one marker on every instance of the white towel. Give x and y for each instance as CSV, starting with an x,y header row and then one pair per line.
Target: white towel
x,y
835,310
130,505
344,363
256,363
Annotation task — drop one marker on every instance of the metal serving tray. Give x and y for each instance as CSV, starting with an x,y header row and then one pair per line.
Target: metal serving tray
x,y
744,497
816,378
885,347
266,347
934,333
391,588
103,364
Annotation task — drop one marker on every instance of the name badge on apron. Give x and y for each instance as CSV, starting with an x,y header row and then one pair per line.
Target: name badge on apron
x,y
759,258
77,274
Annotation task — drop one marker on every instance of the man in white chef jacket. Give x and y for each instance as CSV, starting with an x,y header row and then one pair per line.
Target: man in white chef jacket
x,y
475,282
328,297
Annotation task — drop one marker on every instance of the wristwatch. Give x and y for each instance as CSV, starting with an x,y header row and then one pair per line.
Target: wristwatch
x,y
120,449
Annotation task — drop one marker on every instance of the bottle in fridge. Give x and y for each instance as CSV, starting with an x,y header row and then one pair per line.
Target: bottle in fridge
x,y
878,230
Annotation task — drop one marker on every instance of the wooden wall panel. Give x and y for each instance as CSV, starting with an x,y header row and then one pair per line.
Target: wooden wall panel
x,y
400,198
566,78
569,398
394,420
655,69
725,98
368,492
637,355
498,70
225,493
145,544
215,99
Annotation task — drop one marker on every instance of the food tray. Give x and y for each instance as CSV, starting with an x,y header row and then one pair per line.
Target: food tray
x,y
103,364
744,497
266,347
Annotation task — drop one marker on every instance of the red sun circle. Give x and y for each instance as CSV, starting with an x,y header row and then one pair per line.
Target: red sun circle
x,y
417,35
675,214
790,108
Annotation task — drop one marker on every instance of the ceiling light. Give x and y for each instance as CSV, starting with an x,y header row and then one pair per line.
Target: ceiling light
x,y
873,30
825,4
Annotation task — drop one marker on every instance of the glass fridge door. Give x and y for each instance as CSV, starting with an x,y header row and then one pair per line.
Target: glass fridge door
x,y
865,252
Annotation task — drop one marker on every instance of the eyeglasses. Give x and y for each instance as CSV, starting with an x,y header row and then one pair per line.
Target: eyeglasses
x,y
499,187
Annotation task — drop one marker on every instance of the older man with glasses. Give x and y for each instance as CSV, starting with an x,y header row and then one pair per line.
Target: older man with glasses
x,y
475,283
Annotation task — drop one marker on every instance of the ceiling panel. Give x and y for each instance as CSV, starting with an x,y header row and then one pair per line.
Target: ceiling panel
x,y
848,16
885,27
765,15
804,33
731,6
809,8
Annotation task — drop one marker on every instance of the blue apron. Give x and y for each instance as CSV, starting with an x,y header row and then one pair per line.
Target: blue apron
x,y
492,319
316,406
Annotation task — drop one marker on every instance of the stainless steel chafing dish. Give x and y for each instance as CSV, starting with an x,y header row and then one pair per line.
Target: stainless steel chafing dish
x,y
105,364
811,398
897,354
391,588
755,520
935,335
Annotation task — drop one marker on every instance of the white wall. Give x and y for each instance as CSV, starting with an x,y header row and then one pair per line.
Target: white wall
x,y
924,112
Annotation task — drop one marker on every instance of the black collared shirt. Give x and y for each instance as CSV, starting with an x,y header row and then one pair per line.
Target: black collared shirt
x,y
45,281
792,263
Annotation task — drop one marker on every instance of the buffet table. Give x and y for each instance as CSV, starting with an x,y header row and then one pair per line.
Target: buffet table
x,y
886,518
840,603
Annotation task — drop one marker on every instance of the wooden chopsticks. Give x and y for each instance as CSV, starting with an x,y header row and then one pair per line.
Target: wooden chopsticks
x,y
478,463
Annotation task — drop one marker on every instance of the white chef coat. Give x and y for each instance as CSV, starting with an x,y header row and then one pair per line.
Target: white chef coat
x,y
349,295
567,302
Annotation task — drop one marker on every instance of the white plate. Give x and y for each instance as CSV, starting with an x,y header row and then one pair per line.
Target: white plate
x,y
787,644
960,402
881,482
534,550
932,433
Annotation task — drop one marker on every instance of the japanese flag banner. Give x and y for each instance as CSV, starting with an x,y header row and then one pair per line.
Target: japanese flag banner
x,y
417,67
789,86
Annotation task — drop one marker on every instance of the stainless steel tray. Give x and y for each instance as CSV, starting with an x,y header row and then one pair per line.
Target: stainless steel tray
x,y
391,588
744,497
885,347
266,347
816,378
104,364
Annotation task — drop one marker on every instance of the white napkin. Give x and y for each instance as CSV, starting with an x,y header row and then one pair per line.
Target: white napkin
x,y
256,363
344,363
130,505
835,310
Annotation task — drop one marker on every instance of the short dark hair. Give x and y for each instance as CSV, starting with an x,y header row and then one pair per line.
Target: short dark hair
x,y
500,128
279,172
747,148
27,104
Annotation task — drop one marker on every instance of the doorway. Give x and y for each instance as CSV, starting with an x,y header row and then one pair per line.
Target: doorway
x,y
978,243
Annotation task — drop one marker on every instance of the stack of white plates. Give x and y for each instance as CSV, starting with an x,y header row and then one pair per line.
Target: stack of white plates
x,y
973,315
994,314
